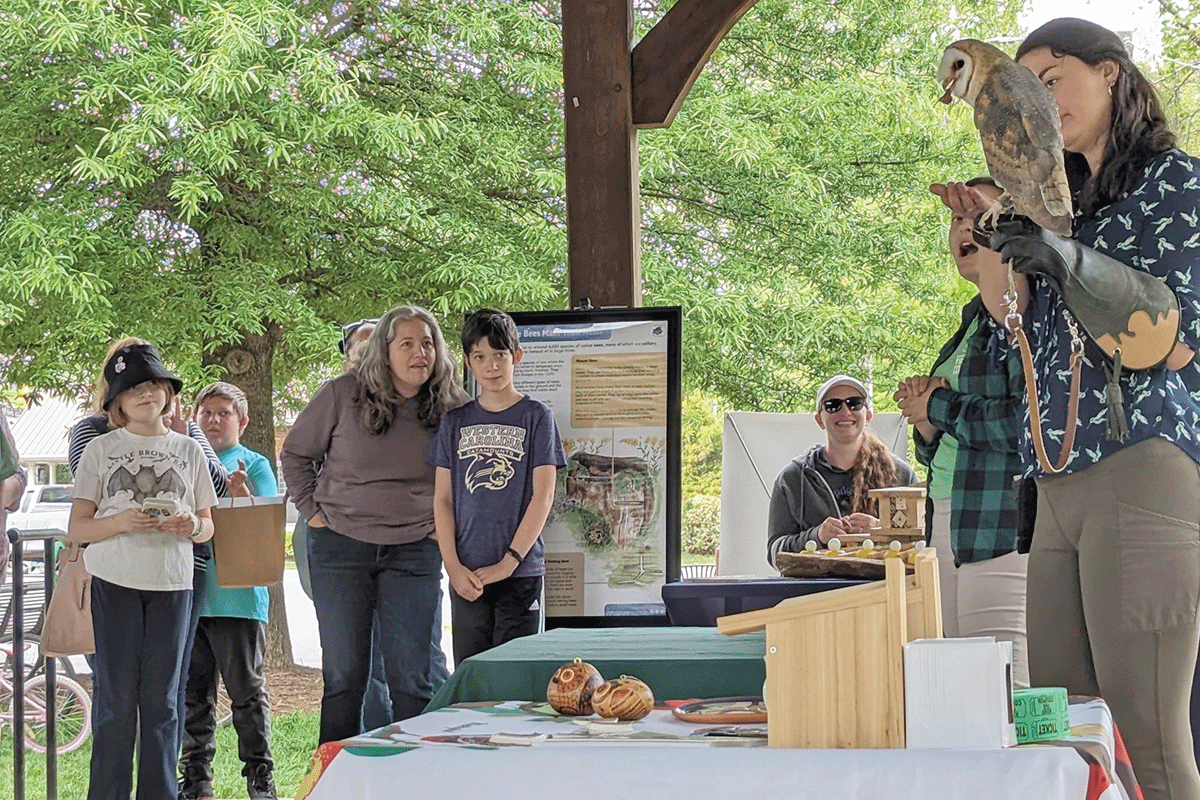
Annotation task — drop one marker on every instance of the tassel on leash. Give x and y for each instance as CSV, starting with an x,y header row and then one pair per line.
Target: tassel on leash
x,y
1118,426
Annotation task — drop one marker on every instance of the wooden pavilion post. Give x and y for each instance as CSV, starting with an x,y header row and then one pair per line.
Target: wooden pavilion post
x,y
610,91
603,229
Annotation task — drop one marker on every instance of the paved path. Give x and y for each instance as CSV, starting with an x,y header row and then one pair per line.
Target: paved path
x,y
302,622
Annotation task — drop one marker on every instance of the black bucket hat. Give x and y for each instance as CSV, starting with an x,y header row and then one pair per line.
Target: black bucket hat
x,y
132,365
1073,37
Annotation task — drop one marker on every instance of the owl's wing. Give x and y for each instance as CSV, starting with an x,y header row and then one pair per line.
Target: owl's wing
x,y
1019,129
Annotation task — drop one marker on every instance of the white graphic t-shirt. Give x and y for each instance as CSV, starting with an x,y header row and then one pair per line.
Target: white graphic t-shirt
x,y
121,469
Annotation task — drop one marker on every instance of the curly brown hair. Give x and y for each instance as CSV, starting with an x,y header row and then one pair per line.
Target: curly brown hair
x,y
873,469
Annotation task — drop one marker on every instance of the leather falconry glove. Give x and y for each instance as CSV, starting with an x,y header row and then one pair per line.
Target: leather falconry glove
x,y
1131,315
1122,309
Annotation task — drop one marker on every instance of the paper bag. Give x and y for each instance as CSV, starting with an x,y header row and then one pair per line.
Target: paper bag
x,y
248,541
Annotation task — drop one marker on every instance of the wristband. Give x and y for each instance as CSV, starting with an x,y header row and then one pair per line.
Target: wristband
x,y
515,555
197,526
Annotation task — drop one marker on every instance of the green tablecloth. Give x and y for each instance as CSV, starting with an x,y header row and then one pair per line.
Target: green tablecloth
x,y
677,663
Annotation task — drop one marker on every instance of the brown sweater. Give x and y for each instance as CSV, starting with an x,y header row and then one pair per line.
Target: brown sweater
x,y
376,489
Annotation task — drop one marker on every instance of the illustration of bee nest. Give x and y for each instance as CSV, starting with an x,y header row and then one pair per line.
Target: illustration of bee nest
x,y
614,498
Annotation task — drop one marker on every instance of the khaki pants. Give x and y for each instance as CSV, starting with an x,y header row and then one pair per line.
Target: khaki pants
x,y
984,598
1114,585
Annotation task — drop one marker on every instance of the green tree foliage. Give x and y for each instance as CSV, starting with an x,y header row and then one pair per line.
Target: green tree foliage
x,y
226,179
702,429
787,209
700,524
1176,75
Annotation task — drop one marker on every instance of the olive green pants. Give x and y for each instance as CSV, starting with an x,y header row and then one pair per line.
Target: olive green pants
x,y
1114,586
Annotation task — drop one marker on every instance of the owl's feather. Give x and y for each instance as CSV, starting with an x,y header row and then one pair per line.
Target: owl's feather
x,y
1019,129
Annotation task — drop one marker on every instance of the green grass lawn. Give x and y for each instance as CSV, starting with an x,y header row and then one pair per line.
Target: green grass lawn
x,y
696,558
293,739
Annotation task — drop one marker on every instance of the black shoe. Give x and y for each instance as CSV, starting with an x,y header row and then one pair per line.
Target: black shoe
x,y
195,786
259,783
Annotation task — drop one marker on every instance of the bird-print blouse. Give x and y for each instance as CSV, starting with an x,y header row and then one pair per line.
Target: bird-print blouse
x,y
1155,229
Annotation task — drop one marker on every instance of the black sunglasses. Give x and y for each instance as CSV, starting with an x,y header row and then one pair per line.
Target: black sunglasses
x,y
348,330
835,405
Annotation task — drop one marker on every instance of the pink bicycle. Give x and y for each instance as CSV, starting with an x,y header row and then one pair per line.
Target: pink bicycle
x,y
72,708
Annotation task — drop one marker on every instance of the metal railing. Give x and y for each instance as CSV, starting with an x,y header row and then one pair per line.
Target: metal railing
x,y
49,538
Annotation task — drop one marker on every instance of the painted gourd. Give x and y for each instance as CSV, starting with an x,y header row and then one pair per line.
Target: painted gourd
x,y
623,698
570,689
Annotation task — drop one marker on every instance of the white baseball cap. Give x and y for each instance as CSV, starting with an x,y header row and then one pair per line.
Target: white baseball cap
x,y
841,380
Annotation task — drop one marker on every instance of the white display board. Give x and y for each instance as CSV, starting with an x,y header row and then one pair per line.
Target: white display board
x,y
756,448
612,378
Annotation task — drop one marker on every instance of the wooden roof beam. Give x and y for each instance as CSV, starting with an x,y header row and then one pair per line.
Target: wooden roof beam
x,y
667,61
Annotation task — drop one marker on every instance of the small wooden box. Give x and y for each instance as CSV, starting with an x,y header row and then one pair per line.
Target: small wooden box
x,y
835,660
901,511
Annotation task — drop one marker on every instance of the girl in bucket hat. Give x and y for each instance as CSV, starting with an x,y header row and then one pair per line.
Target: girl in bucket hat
x,y
142,571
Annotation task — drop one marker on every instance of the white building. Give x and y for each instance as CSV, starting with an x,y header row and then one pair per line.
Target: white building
x,y
41,433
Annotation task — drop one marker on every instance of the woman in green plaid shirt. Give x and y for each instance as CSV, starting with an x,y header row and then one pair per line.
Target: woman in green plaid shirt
x,y
966,414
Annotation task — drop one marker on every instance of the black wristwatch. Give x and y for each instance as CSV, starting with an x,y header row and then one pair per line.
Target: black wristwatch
x,y
515,555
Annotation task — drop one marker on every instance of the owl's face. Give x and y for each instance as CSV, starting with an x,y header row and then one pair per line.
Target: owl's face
x,y
955,74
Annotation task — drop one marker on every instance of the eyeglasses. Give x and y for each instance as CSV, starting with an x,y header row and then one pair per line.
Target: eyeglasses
x,y
834,405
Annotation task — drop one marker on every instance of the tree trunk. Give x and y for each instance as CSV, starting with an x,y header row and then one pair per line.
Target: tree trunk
x,y
247,364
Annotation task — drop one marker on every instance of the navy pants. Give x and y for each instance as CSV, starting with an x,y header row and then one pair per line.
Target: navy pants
x,y
202,553
139,651
506,610
352,581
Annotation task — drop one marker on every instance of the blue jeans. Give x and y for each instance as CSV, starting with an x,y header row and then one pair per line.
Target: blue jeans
x,y
377,706
352,581
139,650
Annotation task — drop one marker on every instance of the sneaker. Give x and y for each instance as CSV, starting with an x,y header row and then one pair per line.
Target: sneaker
x,y
259,783
193,786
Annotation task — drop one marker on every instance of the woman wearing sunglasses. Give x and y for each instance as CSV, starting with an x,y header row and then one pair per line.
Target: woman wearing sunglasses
x,y
823,493
966,414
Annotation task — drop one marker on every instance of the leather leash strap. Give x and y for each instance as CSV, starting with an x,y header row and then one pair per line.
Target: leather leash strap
x,y
1035,417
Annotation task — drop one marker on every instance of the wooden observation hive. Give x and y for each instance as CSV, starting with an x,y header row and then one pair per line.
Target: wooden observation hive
x,y
835,660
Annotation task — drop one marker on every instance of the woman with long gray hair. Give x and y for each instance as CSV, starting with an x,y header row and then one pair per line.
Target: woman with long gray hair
x,y
370,515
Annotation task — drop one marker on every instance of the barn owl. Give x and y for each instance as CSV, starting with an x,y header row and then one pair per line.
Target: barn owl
x,y
1019,126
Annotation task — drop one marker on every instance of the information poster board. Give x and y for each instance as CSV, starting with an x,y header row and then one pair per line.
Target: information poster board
x,y
612,378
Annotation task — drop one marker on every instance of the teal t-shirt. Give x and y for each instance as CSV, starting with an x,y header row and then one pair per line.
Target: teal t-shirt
x,y
251,602
941,469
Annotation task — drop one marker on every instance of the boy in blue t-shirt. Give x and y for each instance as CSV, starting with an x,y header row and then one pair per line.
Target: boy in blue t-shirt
x,y
497,459
230,638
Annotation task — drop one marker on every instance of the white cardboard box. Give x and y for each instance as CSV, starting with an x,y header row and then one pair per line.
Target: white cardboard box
x,y
958,693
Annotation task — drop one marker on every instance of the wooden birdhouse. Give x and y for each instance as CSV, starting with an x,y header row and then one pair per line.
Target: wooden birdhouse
x,y
901,512
835,660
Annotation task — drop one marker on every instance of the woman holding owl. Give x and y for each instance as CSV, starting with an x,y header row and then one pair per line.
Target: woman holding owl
x,y
1114,564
